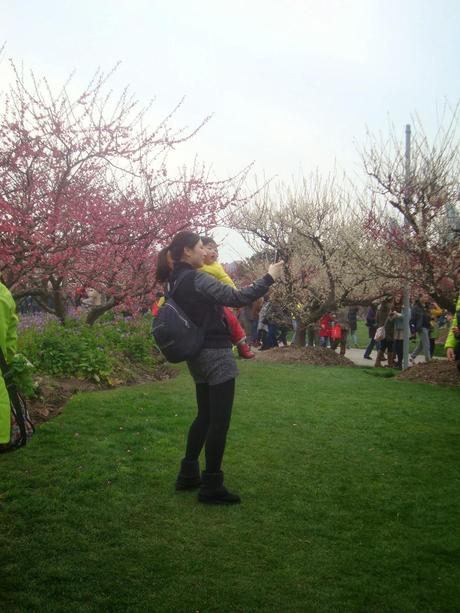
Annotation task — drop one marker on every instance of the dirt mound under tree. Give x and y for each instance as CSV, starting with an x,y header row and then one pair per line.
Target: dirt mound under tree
x,y
54,392
441,372
303,355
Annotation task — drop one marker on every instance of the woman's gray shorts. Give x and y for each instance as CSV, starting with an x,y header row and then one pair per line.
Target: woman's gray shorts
x,y
213,366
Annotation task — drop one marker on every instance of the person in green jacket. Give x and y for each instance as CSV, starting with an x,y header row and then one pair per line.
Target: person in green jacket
x,y
8,340
452,344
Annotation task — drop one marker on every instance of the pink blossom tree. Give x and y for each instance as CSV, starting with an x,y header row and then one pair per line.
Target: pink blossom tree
x,y
86,198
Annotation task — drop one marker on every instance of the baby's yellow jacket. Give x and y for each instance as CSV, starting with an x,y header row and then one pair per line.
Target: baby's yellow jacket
x,y
218,271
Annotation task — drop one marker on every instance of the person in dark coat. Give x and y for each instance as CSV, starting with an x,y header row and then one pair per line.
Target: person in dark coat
x,y
420,316
352,317
386,344
371,323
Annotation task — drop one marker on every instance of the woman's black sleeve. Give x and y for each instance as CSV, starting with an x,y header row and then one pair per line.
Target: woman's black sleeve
x,y
220,293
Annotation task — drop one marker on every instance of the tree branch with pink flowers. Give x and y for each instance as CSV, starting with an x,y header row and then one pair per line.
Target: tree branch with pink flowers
x,y
86,196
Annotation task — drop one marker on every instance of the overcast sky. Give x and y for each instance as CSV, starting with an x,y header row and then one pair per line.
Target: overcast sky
x,y
292,85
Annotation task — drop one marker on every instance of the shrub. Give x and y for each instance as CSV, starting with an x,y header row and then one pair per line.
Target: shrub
x,y
22,373
91,352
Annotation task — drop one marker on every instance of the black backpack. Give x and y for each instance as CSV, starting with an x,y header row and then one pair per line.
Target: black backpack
x,y
176,336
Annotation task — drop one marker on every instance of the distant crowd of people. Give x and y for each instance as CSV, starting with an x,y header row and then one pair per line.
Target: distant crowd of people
x,y
267,324
426,319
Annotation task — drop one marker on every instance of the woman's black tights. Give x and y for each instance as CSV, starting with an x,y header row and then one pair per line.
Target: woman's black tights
x,y
211,424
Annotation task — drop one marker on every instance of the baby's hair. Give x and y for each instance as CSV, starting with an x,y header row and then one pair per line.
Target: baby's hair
x,y
208,240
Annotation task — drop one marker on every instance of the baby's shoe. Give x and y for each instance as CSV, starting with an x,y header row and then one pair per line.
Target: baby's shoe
x,y
245,352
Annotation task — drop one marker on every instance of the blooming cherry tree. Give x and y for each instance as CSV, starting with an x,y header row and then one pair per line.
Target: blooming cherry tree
x,y
86,198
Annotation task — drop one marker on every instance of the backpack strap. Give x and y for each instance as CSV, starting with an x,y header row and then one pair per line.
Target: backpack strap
x,y
170,293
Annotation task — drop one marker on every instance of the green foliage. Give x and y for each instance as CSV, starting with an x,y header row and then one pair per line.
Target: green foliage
x,y
96,352
22,370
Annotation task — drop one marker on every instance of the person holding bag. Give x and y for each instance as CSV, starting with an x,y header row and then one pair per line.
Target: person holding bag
x,y
384,343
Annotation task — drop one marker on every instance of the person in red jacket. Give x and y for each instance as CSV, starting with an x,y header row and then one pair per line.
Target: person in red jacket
x,y
325,330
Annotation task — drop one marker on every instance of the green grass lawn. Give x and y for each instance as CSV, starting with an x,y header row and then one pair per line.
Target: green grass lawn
x,y
350,501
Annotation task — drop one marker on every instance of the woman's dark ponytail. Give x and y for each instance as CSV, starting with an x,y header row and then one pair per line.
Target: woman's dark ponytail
x,y
173,253
163,266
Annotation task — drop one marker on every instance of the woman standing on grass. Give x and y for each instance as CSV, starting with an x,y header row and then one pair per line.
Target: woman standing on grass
x,y
371,323
203,297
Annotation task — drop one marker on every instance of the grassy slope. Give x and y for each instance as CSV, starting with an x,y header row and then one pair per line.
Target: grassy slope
x,y
350,501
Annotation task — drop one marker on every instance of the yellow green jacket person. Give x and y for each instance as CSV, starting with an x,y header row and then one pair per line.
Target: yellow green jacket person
x,y
8,341
451,341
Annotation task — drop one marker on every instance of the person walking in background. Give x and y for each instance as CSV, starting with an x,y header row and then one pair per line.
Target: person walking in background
x,y
279,317
8,342
255,310
262,326
270,318
80,295
383,312
421,318
435,312
296,320
202,298
442,319
339,331
371,323
313,334
352,317
245,318
397,316
325,330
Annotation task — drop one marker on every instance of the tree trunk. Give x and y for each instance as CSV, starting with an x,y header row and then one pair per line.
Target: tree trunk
x,y
99,310
300,336
60,307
